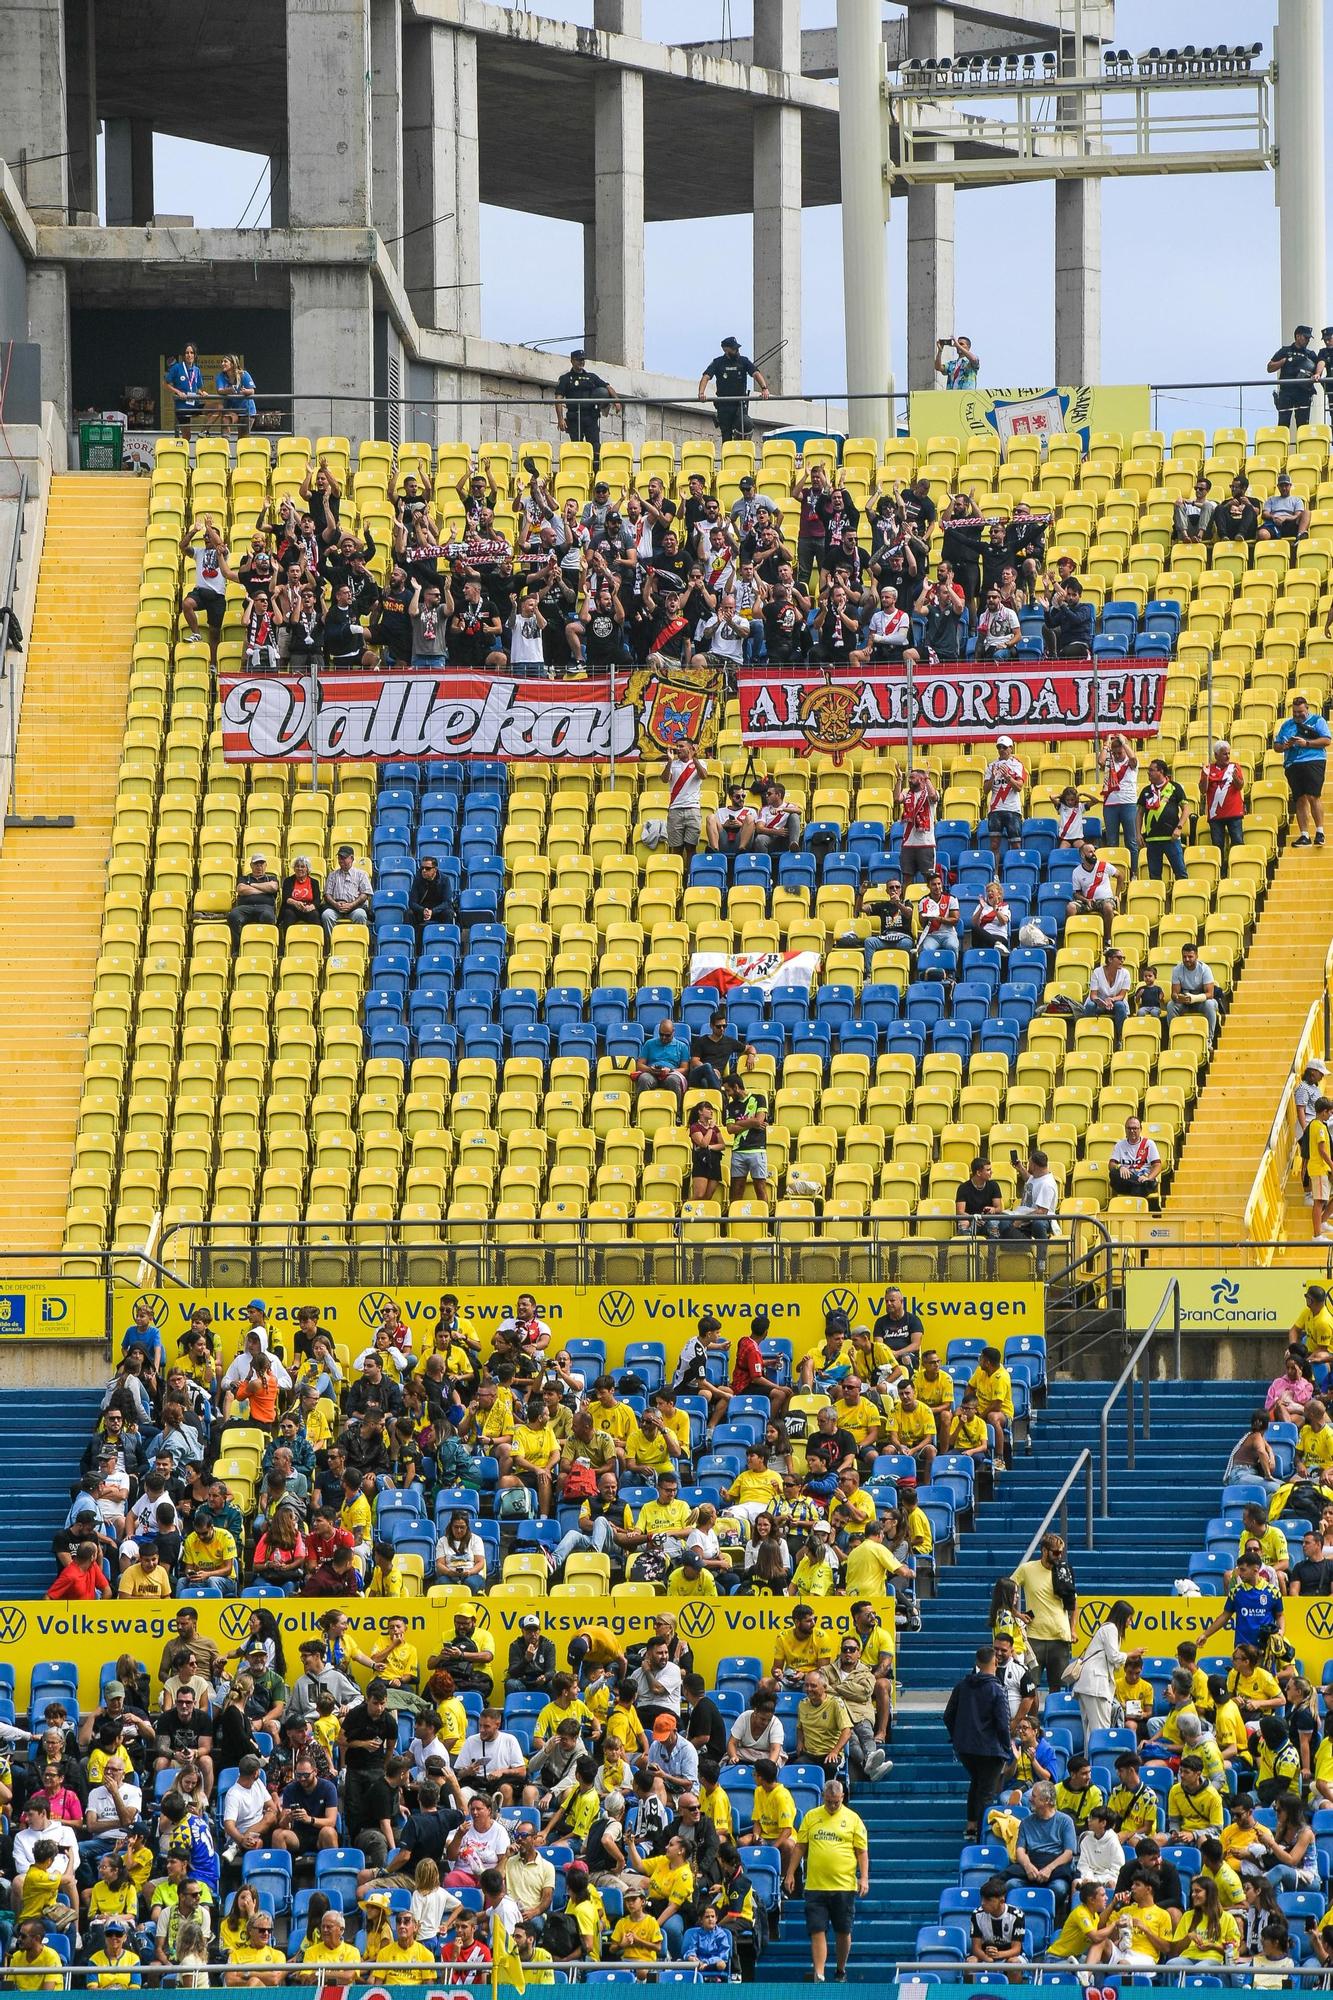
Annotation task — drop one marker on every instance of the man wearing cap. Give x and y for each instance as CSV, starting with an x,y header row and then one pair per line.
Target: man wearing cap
x,y
731,373
671,1756
1312,1328
1284,516
347,893
580,399
248,1812
531,1662
468,1656
1304,1097
1003,782
115,1963
1297,367
256,899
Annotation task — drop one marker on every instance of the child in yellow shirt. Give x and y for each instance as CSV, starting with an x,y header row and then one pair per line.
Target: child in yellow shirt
x,y
326,1728
637,1937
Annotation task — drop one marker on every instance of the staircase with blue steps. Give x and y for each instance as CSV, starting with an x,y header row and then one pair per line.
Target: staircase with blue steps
x,y
915,1817
42,1437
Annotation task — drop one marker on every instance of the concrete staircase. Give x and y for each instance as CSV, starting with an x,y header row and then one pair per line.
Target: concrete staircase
x,y
52,879
35,1484
914,1819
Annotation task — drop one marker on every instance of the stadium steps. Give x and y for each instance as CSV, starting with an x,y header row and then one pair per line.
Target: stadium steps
x,y
51,880
914,1855
35,1487
1282,973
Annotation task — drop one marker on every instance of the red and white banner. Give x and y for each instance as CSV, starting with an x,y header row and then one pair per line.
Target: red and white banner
x,y
800,708
380,718
771,970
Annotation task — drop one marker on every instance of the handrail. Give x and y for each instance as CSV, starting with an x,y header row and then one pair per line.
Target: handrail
x,y
1060,1504
6,626
1171,1296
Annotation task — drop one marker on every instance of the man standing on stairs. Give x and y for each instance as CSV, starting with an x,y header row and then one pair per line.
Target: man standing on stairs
x,y
1303,740
1320,1161
837,1870
976,1716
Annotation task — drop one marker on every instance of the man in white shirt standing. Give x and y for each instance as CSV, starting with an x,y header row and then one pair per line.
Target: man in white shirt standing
x,y
1003,782
685,774
1135,1164
1108,990
1093,888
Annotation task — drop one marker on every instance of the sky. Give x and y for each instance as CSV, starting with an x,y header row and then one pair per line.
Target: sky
x,y
1166,241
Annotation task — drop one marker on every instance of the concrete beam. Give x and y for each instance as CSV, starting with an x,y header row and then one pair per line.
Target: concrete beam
x,y
81,106
1078,281
386,123
613,240
441,260
777,206
328,112
819,46
930,225
129,172
332,353
33,127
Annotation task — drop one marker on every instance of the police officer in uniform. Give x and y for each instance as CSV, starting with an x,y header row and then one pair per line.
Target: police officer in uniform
x,y
1297,367
1325,374
731,373
580,398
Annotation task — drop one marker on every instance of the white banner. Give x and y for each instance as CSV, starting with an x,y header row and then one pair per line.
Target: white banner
x,y
767,969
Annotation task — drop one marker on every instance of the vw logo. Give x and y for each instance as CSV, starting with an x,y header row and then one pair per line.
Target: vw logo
x,y
695,1618
1319,1617
156,1305
616,1308
1092,1615
840,1300
235,1621
13,1624
371,1306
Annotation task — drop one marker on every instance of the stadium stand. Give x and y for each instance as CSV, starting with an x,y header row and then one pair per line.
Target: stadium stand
x,y
372,1099
389,1078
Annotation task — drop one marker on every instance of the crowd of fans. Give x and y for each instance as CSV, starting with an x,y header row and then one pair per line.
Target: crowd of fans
x,y
459,1776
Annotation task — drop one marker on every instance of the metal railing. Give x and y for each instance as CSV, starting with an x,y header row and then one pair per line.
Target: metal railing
x,y
1128,1375
8,670
681,1250
1060,1507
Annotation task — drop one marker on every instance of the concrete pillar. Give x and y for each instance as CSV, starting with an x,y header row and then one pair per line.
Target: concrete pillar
x,y
1302,253
865,278
386,124
81,108
930,226
613,240
1078,282
33,123
332,352
129,172
777,204
441,262
328,113
48,325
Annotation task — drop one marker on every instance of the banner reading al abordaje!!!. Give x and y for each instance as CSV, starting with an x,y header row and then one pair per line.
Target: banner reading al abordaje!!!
x,y
801,708
377,718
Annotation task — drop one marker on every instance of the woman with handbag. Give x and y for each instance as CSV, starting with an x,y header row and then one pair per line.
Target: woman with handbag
x,y
1092,1675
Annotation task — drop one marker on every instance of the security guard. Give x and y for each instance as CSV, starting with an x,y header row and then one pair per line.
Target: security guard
x,y
580,399
1297,367
731,373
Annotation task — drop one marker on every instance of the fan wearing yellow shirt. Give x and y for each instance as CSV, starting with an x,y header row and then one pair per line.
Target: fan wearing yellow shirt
x,y
637,1937
1076,1794
1084,1935
774,1820
650,1448
799,1647
623,1726
1206,1930
33,1966
257,1962
670,1886
564,1705
934,1388
815,1575
1216,1868
209,1554
992,1385
668,1516
1193,1807
407,1951
355,1516
1133,1803
691,1579
1314,1444
386,1579
1135,1693
114,1965
330,1947
851,1508
833,1841
857,1414
1256,1527
715,1803
970,1432
870,1566
531,1458
910,1426
610,1415
757,1489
